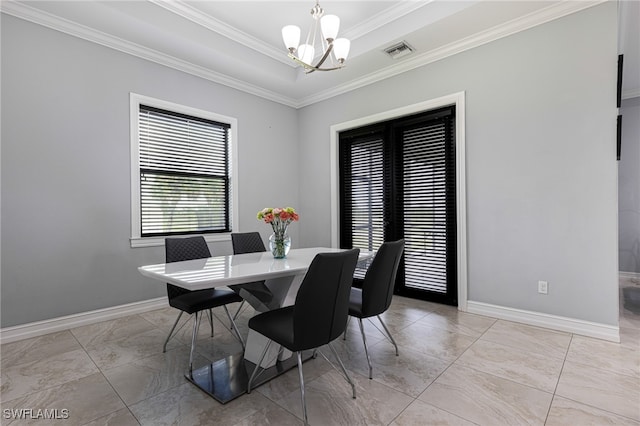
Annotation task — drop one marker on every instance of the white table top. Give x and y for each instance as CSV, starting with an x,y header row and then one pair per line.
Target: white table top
x,y
227,270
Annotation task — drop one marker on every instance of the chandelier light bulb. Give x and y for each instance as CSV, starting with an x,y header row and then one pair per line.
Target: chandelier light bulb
x,y
306,52
291,37
341,49
330,25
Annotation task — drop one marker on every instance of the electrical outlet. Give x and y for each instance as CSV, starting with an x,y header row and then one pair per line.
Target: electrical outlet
x,y
543,287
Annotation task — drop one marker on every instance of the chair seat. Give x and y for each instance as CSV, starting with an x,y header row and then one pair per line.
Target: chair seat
x,y
200,300
355,303
276,325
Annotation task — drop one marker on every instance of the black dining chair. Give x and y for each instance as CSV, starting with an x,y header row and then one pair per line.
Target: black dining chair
x,y
318,316
194,302
247,242
374,298
256,291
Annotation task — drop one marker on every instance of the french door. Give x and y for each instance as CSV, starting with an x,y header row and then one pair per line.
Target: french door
x,y
397,180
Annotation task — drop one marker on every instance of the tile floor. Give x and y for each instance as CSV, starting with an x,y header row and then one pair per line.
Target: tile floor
x,y
454,369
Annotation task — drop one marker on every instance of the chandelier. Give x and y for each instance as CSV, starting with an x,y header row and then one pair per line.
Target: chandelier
x,y
327,43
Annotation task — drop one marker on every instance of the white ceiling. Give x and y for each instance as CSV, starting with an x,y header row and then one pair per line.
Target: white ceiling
x,y
238,43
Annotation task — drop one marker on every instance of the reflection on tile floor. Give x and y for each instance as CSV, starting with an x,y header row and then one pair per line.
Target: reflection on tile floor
x,y
454,368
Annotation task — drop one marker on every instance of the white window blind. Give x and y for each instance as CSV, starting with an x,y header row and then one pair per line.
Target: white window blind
x,y
184,173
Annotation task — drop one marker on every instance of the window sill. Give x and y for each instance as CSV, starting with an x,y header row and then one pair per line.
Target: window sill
x,y
159,241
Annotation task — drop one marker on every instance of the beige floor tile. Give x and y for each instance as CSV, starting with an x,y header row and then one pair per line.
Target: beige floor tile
x,y
525,337
112,353
398,317
372,330
165,318
410,372
117,418
354,345
38,348
606,355
531,369
419,305
272,414
458,322
187,405
630,320
486,399
630,338
329,401
86,399
23,379
600,388
422,414
94,334
566,412
288,382
433,341
146,377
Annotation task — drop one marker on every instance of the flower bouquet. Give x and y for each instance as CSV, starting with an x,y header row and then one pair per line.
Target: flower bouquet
x,y
279,218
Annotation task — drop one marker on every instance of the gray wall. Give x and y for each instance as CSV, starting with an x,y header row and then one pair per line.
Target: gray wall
x,y
629,187
65,169
541,169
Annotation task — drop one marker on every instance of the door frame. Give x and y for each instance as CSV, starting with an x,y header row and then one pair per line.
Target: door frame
x,y
457,99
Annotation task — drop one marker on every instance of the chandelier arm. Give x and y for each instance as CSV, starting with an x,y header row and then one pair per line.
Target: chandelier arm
x,y
310,68
325,56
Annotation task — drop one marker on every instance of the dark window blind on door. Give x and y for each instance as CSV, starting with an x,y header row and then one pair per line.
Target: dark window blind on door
x,y
184,173
427,206
363,218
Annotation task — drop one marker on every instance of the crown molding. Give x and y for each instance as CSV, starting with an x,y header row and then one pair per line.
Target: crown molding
x,y
180,8
540,17
514,26
388,15
28,13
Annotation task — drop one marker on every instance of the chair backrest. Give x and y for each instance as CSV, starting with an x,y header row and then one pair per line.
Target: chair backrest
x,y
322,303
247,242
379,281
179,249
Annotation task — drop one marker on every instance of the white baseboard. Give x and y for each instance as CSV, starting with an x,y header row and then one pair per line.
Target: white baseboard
x,y
571,325
633,275
39,328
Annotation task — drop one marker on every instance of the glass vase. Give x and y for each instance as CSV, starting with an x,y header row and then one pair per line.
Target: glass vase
x,y
279,245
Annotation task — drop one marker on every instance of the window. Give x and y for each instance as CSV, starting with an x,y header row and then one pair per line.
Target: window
x,y
181,171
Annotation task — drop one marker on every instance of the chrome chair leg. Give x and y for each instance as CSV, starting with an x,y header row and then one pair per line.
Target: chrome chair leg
x,y
234,327
211,321
164,347
344,336
235,316
344,370
304,403
366,351
255,370
196,325
388,334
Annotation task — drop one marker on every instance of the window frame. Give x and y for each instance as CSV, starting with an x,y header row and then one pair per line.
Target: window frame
x,y
135,100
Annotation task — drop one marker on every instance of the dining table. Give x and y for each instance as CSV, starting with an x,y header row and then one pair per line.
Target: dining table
x,y
265,283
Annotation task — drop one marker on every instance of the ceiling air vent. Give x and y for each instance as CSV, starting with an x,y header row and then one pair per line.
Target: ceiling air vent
x,y
399,50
